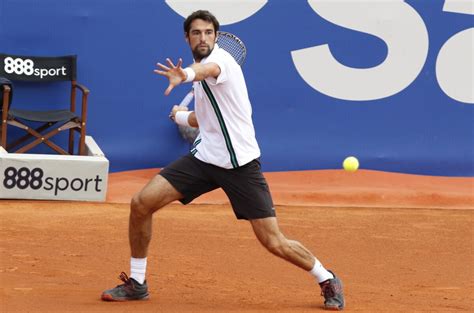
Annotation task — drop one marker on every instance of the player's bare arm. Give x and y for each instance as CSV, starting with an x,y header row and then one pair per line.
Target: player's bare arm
x,y
192,120
204,71
177,75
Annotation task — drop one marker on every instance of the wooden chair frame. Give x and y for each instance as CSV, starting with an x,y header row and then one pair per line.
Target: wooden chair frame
x,y
49,119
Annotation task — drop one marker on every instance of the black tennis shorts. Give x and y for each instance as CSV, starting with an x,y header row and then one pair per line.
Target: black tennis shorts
x,y
245,186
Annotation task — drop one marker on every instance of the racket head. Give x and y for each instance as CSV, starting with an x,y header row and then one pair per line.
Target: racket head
x,y
232,44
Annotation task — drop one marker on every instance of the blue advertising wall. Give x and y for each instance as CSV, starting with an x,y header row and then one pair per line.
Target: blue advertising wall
x,y
390,82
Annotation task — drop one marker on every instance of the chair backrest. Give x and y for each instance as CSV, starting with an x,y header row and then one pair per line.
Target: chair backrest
x,y
38,69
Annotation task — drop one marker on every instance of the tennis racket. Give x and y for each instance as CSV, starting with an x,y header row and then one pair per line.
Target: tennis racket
x,y
236,48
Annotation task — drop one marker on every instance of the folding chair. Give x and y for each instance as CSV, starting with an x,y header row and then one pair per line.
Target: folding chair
x,y
51,122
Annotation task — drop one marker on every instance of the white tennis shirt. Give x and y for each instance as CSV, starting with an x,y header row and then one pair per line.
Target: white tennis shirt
x,y
224,113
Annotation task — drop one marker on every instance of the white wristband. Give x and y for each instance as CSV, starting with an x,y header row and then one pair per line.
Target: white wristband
x,y
181,118
190,74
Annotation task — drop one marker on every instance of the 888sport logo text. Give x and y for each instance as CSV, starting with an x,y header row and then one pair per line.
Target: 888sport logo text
x,y
35,179
27,67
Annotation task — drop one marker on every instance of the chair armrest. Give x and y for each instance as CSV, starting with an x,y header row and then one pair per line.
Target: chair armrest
x,y
83,88
6,96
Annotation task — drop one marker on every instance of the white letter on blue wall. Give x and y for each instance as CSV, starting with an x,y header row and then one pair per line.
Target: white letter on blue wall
x,y
226,11
393,21
454,65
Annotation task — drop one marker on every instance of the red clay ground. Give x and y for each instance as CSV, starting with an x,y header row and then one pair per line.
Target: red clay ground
x,y
401,243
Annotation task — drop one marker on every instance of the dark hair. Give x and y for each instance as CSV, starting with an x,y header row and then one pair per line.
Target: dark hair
x,y
203,15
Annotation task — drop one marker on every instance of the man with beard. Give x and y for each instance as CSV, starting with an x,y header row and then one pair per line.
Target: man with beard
x,y
224,155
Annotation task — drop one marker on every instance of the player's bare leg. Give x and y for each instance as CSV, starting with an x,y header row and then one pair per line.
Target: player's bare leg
x,y
155,195
269,234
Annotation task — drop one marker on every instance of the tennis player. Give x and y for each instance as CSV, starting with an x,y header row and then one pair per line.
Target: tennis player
x,y
225,155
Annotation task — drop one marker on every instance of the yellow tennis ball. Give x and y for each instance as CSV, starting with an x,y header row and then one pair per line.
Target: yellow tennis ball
x,y
351,164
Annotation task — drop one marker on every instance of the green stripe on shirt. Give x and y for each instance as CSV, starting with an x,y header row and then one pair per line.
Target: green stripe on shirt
x,y
220,118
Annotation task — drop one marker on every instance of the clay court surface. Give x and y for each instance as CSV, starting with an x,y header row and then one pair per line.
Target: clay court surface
x,y
401,243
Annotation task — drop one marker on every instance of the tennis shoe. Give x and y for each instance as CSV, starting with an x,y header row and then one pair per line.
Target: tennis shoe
x,y
129,290
331,290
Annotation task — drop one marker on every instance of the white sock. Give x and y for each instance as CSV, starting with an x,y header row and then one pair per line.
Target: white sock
x,y
138,269
320,272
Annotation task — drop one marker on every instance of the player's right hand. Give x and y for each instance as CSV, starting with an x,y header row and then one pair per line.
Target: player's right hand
x,y
175,109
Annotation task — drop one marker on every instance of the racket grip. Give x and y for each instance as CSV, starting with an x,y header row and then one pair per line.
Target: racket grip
x,y
187,99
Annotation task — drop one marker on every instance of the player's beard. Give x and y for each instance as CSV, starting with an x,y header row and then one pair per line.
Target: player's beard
x,y
199,53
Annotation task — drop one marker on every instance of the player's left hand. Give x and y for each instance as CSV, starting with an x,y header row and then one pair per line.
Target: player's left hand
x,y
175,74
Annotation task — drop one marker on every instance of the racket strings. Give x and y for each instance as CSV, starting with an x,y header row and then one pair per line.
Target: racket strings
x,y
233,45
